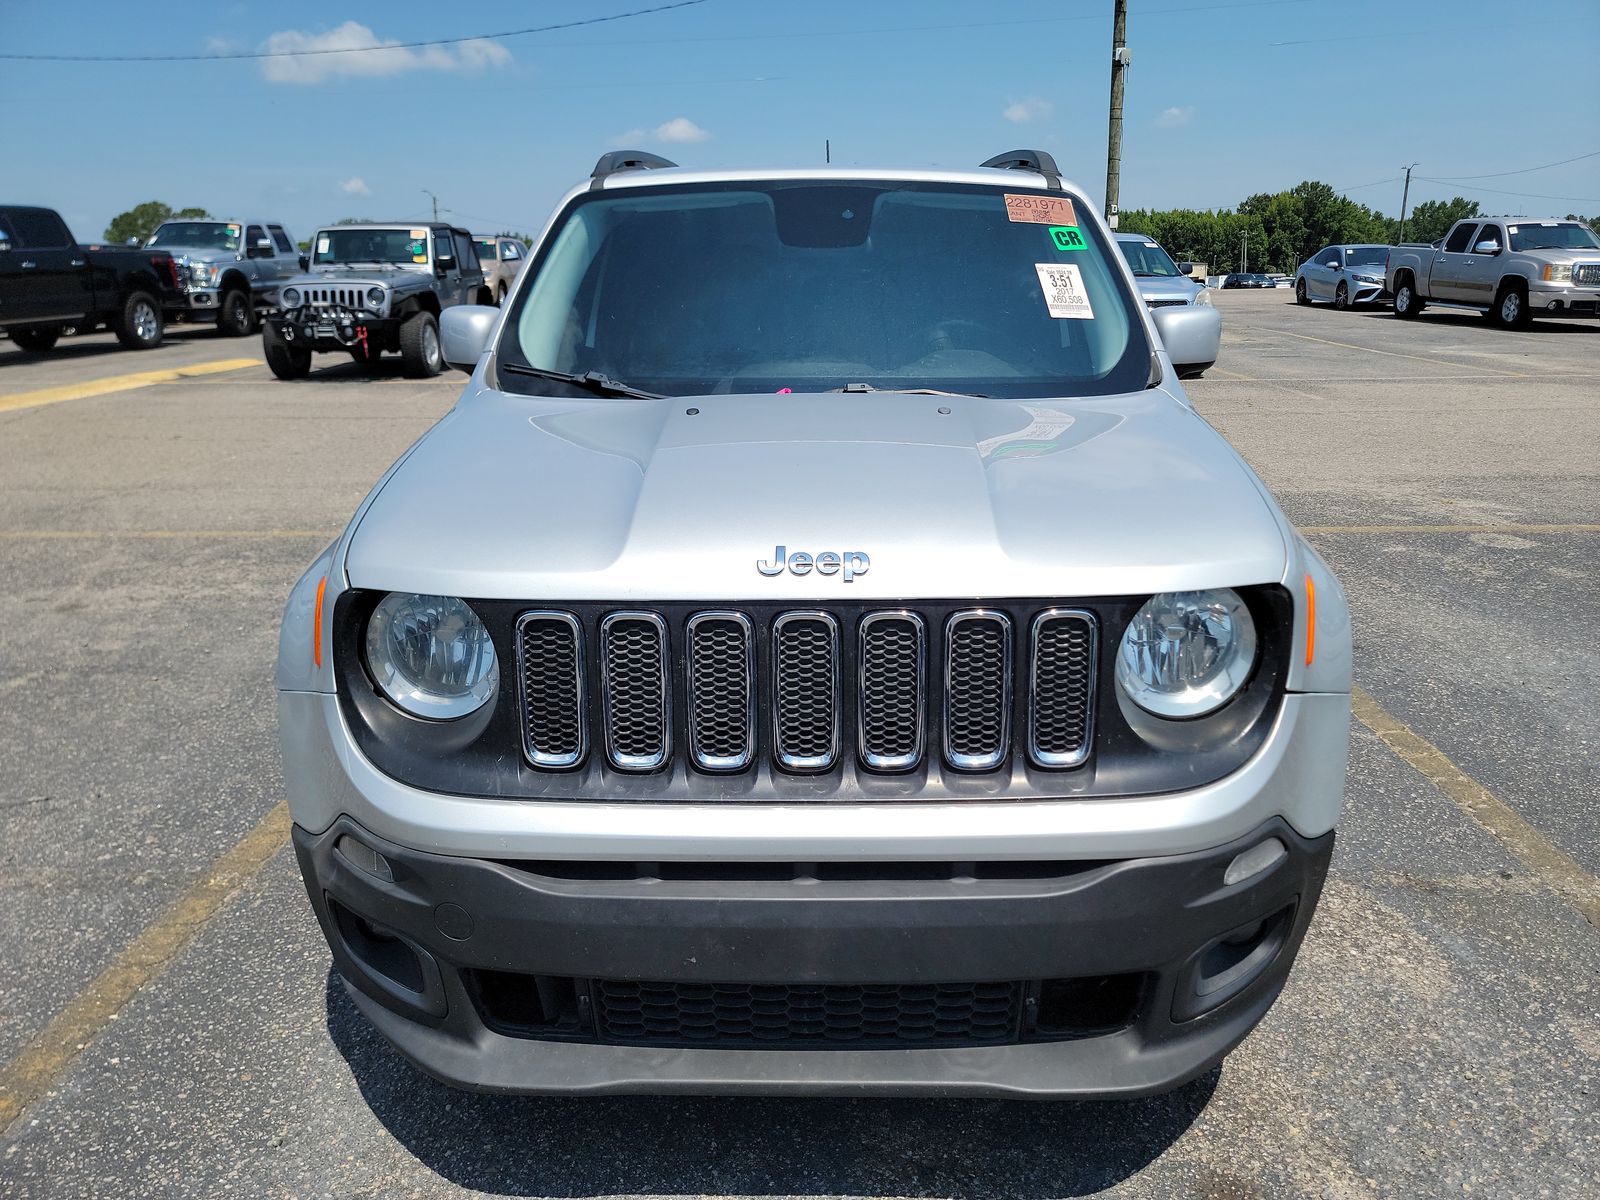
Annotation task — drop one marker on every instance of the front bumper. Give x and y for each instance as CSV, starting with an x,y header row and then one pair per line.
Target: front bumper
x,y
496,975
1564,302
1368,293
335,329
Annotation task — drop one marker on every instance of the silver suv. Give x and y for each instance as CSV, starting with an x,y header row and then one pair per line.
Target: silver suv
x,y
823,650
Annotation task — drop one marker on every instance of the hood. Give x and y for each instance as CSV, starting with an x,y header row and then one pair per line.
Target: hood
x,y
1166,287
202,256
1562,257
374,272
516,497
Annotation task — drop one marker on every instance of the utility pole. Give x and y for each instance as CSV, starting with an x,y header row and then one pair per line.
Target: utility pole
x,y
435,200
1120,58
1244,252
1404,195
827,150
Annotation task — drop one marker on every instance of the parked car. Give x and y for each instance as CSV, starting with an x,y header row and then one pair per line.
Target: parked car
x,y
1161,282
371,289
1346,275
502,258
1242,280
1511,268
884,682
231,270
49,282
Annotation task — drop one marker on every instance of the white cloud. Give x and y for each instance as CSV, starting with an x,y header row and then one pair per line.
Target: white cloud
x,y
1174,116
355,186
1027,110
679,129
378,57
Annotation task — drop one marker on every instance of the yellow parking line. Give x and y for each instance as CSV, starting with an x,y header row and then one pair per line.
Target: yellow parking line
x,y
1446,528
1559,871
89,535
120,383
43,1060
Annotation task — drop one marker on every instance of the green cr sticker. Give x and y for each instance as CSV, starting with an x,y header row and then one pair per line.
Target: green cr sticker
x,y
1067,237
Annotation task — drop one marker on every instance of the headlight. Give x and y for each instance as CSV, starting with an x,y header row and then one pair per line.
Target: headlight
x,y
1203,296
1555,274
1369,279
431,655
375,298
290,297
1186,654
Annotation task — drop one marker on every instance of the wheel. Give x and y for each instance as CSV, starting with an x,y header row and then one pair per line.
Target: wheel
x,y
1341,298
1300,296
35,341
236,314
288,362
140,326
420,356
1510,307
1407,303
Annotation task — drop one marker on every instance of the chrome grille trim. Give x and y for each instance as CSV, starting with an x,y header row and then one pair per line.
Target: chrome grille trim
x,y
636,700
965,756
1586,274
794,747
876,758
558,697
1044,694
702,701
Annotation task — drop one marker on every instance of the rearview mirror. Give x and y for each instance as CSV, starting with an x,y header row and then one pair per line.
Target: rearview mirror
x,y
464,331
1487,246
1191,333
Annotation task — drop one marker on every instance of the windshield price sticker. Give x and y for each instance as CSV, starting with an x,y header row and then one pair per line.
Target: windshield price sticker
x,y
1064,296
1067,237
419,233
1041,209
322,244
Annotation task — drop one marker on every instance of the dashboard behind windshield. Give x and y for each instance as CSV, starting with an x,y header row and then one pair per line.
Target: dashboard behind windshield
x,y
197,235
1148,258
1553,236
805,286
1371,256
371,245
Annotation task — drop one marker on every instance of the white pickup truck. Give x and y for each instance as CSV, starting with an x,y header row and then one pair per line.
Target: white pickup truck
x,y
1511,268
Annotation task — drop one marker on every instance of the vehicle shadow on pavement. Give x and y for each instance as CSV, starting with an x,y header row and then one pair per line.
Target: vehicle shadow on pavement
x,y
687,1145
83,348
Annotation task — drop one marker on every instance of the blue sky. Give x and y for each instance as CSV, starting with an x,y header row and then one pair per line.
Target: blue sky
x,y
1225,98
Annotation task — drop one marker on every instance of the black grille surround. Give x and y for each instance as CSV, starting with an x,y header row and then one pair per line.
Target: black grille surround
x,y
721,758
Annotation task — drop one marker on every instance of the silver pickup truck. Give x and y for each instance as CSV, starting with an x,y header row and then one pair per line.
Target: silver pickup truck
x,y
231,270
1511,268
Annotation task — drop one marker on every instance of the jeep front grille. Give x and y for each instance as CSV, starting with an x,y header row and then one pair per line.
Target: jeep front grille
x,y
324,296
808,691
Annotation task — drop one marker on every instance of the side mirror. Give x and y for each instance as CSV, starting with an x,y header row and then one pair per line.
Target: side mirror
x,y
464,331
1184,268
1487,246
1191,333
305,262
5,243
444,262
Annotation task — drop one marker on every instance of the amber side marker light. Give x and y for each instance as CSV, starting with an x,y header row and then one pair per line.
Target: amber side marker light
x,y
1311,618
316,635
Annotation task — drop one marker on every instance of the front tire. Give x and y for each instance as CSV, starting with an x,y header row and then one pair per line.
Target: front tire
x,y
1511,307
288,362
1301,297
1407,304
35,341
1341,298
140,325
420,353
235,315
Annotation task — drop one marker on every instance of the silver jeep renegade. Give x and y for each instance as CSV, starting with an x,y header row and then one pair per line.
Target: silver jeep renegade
x,y
822,651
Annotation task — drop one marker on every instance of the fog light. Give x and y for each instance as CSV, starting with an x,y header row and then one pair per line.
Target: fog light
x,y
1254,861
365,857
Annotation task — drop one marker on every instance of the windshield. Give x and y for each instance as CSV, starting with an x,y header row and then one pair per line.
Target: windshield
x,y
198,235
371,246
1366,255
1552,235
804,286
486,248
1147,258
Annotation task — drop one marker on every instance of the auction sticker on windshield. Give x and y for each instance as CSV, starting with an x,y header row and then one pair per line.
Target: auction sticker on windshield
x,y
1041,210
1067,237
1064,296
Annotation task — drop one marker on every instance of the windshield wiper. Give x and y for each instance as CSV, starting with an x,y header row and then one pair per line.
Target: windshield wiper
x,y
859,388
589,381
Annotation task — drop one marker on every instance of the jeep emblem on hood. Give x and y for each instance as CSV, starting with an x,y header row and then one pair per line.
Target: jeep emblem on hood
x,y
848,563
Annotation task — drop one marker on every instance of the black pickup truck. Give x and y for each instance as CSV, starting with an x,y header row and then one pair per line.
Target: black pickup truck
x,y
47,280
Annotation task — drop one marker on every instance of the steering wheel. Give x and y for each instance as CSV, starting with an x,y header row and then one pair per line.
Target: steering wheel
x,y
957,334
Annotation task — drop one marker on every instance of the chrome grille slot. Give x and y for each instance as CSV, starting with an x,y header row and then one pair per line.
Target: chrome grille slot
x,y
805,687
550,676
977,690
722,702
1586,274
635,692
1060,701
892,698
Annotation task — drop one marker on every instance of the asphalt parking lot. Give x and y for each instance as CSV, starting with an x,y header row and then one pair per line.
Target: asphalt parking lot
x,y
168,1022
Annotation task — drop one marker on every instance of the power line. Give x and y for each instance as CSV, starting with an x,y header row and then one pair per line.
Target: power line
x,y
1504,192
1530,170
257,54
1374,183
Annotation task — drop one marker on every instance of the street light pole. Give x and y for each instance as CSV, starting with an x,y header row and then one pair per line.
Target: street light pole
x,y
435,200
1119,66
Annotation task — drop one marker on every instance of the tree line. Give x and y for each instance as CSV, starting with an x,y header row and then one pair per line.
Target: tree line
x,y
1276,232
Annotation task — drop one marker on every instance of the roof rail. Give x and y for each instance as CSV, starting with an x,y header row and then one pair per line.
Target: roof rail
x,y
626,160
1028,160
